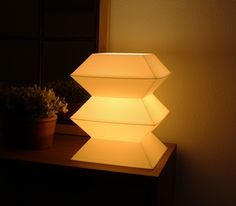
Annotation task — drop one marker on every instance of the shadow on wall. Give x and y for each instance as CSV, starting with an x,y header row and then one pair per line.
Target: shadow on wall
x,y
201,96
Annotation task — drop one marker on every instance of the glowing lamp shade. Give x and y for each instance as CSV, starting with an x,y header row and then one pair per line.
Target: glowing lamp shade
x,y
122,111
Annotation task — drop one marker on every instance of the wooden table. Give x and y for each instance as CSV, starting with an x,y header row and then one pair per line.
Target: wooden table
x,y
49,177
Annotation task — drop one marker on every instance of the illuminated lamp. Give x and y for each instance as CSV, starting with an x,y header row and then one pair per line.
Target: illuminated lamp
x,y
122,111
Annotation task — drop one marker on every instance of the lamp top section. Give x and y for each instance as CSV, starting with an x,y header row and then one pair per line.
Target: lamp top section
x,y
122,65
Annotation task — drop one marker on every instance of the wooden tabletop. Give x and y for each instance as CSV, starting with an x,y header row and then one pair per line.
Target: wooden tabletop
x,y
66,145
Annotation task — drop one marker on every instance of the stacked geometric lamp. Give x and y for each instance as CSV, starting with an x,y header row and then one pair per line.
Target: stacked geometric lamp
x,y
122,111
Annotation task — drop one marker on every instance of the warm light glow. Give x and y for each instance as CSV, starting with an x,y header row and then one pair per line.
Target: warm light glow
x,y
113,65
122,111
147,111
142,154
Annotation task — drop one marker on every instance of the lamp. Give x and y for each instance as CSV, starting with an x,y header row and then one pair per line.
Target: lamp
x,y
122,111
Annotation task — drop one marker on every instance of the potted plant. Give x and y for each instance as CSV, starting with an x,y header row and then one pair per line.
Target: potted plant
x,y
29,115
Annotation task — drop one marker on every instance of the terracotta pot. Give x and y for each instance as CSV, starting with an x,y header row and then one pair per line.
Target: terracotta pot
x,y
31,134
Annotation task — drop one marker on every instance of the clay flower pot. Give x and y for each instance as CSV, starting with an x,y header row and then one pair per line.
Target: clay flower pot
x,y
30,134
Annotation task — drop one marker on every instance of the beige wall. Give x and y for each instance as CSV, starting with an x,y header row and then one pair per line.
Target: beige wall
x,y
196,40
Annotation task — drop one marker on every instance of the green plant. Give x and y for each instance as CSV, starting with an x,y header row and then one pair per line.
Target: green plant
x,y
31,102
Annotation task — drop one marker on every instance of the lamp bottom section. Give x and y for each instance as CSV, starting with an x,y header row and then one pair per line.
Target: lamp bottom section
x,y
144,154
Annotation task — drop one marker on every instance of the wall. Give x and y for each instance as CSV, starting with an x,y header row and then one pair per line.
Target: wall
x,y
196,40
